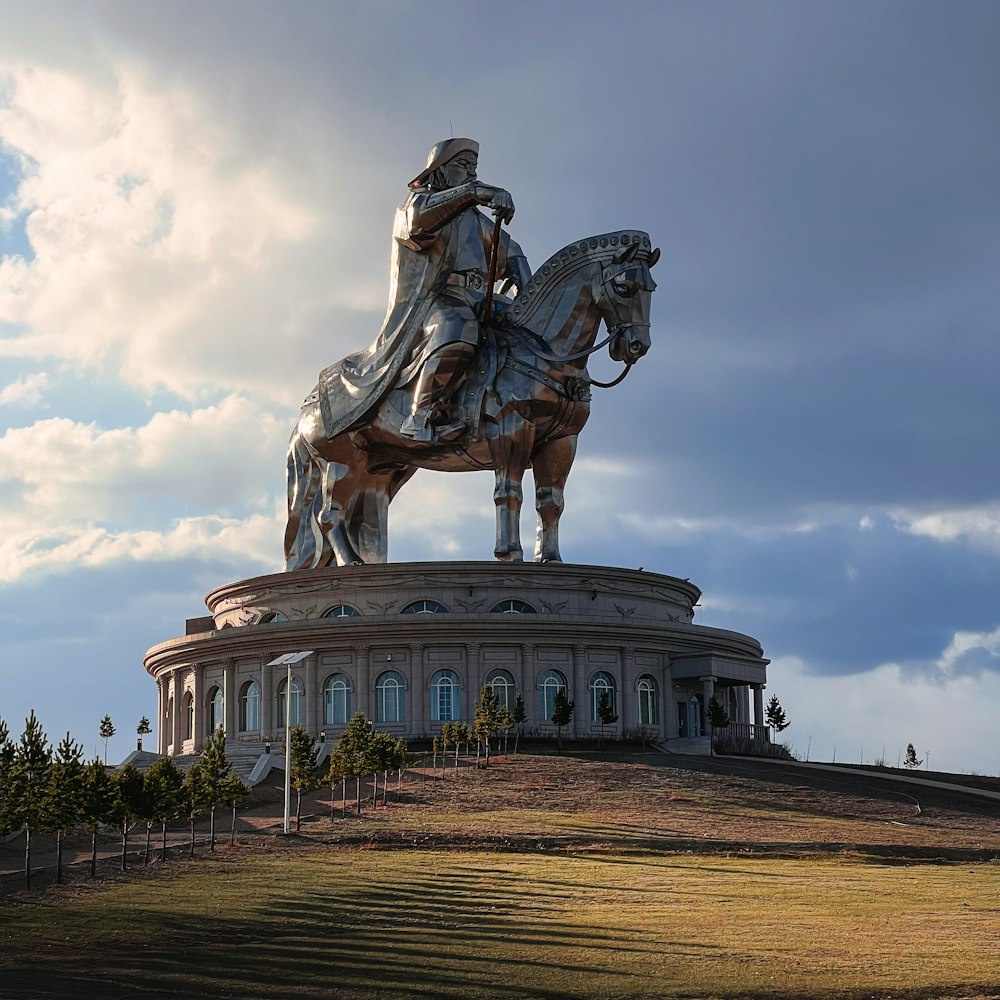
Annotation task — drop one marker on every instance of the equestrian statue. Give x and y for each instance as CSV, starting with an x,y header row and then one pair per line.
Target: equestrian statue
x,y
461,378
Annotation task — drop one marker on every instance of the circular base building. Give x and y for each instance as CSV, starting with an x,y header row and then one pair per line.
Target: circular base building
x,y
411,645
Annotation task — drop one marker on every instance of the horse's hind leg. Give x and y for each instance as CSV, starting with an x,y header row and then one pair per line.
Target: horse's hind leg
x,y
305,544
337,494
551,464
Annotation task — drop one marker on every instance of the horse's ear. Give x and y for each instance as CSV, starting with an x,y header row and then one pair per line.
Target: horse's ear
x,y
628,254
653,257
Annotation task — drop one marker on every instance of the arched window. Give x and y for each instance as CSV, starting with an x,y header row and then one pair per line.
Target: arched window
x,y
273,616
513,607
296,705
424,608
389,691
188,704
648,700
601,684
550,682
215,709
341,611
445,696
337,700
250,707
503,687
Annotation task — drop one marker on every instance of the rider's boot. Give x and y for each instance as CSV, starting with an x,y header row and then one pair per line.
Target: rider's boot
x,y
429,418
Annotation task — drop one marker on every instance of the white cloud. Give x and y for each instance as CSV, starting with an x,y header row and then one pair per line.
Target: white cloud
x,y
977,526
847,717
63,480
165,248
27,390
257,537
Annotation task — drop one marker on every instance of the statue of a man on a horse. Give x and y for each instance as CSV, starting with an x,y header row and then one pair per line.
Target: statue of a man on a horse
x,y
451,384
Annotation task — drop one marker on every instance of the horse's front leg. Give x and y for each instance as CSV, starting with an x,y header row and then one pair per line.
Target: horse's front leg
x,y
511,452
551,463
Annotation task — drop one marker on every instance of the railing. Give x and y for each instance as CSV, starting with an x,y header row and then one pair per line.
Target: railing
x,y
747,731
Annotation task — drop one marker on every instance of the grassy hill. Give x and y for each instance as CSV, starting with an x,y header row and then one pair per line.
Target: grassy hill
x,y
551,877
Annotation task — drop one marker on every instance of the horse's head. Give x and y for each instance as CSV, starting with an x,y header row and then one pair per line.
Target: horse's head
x,y
623,300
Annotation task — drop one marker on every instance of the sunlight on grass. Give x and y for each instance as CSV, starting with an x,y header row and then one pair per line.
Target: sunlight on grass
x,y
426,923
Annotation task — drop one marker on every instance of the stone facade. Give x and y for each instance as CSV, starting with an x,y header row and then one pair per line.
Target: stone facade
x,y
412,644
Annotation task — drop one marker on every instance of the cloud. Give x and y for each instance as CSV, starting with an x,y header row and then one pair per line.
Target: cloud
x,y
162,247
26,390
977,527
834,718
208,538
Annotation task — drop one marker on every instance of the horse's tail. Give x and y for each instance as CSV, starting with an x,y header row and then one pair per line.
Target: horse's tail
x,y
305,544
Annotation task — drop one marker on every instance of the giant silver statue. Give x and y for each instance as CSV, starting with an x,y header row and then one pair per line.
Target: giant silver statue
x,y
460,378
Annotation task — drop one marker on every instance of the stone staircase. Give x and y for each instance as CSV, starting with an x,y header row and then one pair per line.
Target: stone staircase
x,y
244,754
695,746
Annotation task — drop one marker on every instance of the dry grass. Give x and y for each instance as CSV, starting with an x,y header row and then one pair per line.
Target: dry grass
x,y
451,924
550,877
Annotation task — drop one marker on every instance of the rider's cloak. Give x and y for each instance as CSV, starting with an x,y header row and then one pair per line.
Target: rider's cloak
x,y
419,267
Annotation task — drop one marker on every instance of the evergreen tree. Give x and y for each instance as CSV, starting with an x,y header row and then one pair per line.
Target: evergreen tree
x,y
718,717
352,748
337,774
774,715
910,760
506,721
164,787
190,800
6,759
142,729
106,731
605,712
27,783
209,776
519,716
487,719
129,803
64,795
562,713
717,714
98,804
401,758
303,763
234,792
381,756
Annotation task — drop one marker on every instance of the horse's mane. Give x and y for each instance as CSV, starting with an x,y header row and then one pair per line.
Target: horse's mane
x,y
564,262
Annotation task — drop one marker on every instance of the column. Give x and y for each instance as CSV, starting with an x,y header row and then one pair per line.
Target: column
x,y
161,705
175,722
198,696
230,696
628,715
363,695
758,704
474,679
707,694
580,695
266,701
743,704
310,717
419,721
526,683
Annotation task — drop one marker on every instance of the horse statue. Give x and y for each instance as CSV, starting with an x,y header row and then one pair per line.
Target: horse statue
x,y
525,400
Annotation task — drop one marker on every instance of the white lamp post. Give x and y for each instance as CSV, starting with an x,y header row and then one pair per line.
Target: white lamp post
x,y
288,659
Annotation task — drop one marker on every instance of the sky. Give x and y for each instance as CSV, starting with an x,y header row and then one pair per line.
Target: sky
x,y
195,210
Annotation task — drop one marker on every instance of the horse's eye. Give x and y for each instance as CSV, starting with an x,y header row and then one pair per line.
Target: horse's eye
x,y
625,288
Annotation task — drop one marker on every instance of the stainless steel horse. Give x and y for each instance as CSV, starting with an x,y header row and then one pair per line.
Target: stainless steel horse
x,y
526,399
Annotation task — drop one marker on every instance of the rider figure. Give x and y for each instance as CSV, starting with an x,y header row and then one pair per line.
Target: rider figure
x,y
440,218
